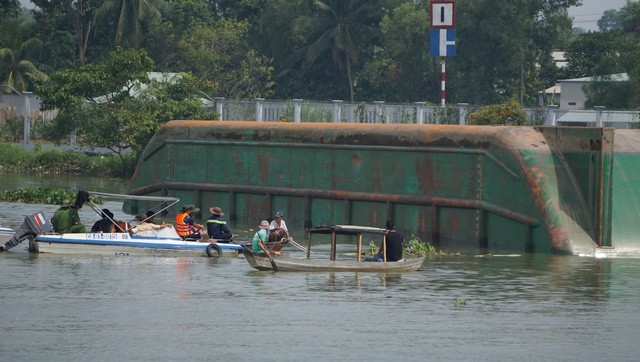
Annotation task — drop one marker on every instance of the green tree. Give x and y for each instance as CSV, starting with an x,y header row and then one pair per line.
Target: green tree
x,y
115,105
178,21
501,44
9,8
401,68
18,62
610,20
128,17
217,55
334,28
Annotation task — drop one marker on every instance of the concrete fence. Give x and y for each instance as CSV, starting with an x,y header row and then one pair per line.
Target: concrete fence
x,y
27,106
338,111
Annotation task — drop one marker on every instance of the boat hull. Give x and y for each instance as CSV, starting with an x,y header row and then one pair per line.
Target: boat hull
x,y
311,265
99,244
6,234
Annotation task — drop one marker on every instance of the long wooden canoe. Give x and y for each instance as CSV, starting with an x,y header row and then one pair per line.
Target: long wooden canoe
x,y
308,265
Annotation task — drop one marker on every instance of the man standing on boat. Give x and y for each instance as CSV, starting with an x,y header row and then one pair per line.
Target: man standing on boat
x,y
217,227
186,226
67,220
393,243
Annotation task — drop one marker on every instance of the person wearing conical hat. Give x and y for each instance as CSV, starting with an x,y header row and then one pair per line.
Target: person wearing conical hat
x,y
217,227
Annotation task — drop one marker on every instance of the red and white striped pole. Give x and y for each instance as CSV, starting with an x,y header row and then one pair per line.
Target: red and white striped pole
x,y
443,77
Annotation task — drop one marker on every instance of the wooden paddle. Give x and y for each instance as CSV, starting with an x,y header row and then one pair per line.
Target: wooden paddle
x,y
266,251
273,263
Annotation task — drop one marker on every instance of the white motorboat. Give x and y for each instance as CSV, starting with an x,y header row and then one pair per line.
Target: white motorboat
x,y
162,242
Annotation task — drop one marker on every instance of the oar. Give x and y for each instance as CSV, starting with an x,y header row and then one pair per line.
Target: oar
x,y
300,247
273,263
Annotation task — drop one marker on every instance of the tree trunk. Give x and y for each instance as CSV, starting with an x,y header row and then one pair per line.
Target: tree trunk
x,y
349,77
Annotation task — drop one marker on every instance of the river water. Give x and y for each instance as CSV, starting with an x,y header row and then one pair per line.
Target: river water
x,y
459,307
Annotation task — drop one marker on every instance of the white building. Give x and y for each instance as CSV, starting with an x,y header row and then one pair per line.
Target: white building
x,y
569,93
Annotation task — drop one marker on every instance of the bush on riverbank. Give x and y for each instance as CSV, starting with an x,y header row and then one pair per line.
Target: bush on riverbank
x,y
39,195
14,159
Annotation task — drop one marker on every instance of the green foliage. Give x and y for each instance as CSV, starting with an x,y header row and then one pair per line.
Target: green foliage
x,y
12,130
14,159
402,69
220,56
415,246
37,195
40,195
509,113
115,105
18,65
129,17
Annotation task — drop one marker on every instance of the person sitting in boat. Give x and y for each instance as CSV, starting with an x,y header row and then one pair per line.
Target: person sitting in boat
x,y
217,227
104,225
394,244
67,220
187,227
259,239
278,228
151,216
144,224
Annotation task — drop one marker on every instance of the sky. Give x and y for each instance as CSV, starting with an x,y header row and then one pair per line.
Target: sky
x,y
587,15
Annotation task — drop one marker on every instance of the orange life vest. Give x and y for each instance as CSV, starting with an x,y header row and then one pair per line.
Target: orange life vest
x,y
182,228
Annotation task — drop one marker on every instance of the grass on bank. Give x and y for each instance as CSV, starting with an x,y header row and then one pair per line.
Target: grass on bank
x,y
14,159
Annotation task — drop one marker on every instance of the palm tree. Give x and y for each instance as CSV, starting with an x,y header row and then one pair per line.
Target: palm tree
x,y
16,67
333,28
128,17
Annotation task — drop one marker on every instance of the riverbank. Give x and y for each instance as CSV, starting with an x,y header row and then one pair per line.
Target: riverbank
x,y
50,159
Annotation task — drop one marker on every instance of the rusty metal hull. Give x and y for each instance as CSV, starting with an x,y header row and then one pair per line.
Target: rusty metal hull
x,y
477,188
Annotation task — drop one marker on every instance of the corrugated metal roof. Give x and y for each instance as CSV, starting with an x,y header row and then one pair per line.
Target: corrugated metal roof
x,y
619,77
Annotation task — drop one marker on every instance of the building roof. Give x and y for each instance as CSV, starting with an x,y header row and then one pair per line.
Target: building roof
x,y
619,77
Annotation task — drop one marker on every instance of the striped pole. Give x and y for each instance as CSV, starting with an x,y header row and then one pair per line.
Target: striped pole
x,y
443,77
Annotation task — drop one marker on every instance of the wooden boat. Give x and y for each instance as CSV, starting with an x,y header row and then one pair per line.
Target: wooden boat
x,y
162,242
261,262
271,245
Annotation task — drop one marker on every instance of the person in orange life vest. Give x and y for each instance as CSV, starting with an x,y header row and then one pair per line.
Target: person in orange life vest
x,y
186,226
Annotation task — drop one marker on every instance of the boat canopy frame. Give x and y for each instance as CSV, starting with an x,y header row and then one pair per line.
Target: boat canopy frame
x,y
350,230
164,202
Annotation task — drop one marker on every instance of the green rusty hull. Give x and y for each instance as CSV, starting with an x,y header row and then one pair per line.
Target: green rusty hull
x,y
467,188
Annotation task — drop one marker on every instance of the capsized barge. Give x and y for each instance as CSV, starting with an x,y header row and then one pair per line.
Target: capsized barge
x,y
469,188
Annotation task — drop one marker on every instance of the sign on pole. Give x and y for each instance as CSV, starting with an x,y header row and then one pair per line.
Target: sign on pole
x,y
442,42
443,14
442,36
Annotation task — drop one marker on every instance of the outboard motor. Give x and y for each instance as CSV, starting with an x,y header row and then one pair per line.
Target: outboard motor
x,y
32,226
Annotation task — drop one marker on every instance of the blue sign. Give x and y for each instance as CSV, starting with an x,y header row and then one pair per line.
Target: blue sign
x,y
442,42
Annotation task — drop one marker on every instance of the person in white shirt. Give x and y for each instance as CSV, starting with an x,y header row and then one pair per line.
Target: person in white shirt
x,y
278,228
144,225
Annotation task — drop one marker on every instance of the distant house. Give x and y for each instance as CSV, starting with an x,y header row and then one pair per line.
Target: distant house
x,y
569,93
